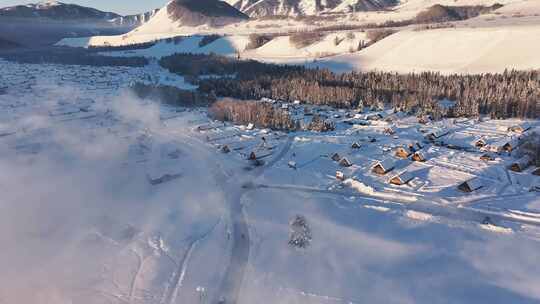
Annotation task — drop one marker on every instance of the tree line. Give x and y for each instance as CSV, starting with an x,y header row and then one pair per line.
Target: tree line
x,y
71,57
502,95
262,115
505,95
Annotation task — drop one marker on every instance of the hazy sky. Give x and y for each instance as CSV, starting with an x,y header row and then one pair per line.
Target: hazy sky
x,y
118,6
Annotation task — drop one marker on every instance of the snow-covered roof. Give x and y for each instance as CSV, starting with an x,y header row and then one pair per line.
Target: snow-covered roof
x,y
520,127
475,184
385,164
523,161
404,176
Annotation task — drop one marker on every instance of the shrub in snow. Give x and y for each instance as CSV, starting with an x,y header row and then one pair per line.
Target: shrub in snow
x,y
379,34
300,233
318,124
303,39
258,40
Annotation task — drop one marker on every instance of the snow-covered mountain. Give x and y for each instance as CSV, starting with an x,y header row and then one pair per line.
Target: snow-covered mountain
x,y
180,15
57,11
203,12
262,8
135,20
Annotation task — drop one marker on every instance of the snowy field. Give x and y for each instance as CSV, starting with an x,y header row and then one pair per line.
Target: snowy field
x,y
113,199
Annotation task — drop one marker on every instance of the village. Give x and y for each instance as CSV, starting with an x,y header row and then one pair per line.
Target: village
x,y
388,154
376,152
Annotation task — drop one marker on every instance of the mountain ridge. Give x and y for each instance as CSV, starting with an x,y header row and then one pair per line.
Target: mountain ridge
x,y
293,8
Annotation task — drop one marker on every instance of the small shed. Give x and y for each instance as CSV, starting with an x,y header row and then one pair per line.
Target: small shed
x,y
401,178
344,162
335,157
432,136
471,185
340,175
521,164
383,167
250,126
292,164
536,172
487,157
418,157
401,152
520,129
356,145
374,117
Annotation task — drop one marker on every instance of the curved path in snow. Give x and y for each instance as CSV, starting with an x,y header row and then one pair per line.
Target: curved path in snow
x,y
234,188
234,275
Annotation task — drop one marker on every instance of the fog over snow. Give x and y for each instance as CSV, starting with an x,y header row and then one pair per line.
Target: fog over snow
x,y
81,221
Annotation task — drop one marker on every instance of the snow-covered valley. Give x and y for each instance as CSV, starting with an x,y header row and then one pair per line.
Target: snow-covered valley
x,y
112,199
271,151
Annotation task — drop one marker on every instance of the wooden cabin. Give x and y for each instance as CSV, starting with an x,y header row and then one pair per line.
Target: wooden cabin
x,y
389,131
344,162
383,167
536,172
340,176
487,157
418,157
423,120
413,147
503,146
225,149
520,129
401,178
402,153
521,164
480,143
470,185
335,157
356,145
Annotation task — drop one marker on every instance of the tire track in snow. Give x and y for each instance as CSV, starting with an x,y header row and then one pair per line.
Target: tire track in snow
x,y
177,278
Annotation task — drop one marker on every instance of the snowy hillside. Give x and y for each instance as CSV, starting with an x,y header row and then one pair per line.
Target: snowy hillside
x,y
268,8
280,49
461,50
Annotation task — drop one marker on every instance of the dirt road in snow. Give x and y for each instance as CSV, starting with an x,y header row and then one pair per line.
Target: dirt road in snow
x,y
234,275
234,187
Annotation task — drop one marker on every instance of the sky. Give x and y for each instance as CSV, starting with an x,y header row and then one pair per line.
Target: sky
x,y
124,7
